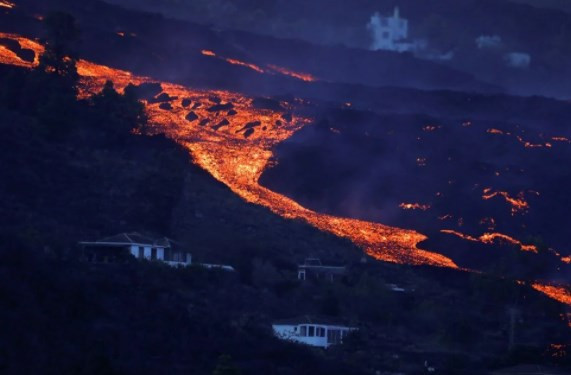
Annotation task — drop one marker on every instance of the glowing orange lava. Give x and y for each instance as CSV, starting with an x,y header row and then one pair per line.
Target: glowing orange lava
x,y
518,205
414,206
237,158
270,68
206,52
245,64
302,76
6,4
490,238
558,293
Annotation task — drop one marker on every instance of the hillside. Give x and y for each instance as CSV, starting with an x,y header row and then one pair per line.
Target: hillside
x,y
117,121
91,178
450,27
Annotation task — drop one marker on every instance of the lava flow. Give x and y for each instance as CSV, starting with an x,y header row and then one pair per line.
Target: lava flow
x,y
6,4
489,238
270,68
518,205
414,206
236,148
236,156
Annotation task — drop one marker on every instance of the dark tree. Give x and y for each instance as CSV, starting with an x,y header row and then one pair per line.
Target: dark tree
x,y
59,57
119,113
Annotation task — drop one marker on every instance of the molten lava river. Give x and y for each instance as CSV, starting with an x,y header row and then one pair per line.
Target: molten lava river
x,y
225,146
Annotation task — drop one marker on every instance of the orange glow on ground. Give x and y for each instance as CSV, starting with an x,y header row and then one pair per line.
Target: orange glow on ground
x,y
6,4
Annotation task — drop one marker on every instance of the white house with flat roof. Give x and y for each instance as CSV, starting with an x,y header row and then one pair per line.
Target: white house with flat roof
x,y
319,332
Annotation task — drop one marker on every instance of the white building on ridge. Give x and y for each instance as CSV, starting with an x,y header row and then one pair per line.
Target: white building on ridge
x,y
390,33
320,332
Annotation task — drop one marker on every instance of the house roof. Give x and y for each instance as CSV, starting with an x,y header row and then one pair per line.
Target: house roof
x,y
307,319
133,238
315,264
130,238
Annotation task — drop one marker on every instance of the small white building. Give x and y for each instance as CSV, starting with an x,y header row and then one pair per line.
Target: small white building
x,y
488,41
520,60
320,332
390,33
124,246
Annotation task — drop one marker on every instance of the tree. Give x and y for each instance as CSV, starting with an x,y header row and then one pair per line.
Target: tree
x,y
120,113
59,57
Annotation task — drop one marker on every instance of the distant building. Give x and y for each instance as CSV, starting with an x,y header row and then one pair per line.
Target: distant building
x,y
125,246
320,332
390,33
313,269
488,41
519,60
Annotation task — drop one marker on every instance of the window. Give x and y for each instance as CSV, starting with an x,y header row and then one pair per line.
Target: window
x,y
303,331
311,331
154,253
141,252
320,332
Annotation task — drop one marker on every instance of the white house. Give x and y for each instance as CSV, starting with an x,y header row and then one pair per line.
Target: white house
x,y
390,33
121,246
320,332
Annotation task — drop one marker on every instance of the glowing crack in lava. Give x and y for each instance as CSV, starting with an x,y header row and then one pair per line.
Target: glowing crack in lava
x,y
518,205
558,293
270,68
525,143
489,238
226,147
414,206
